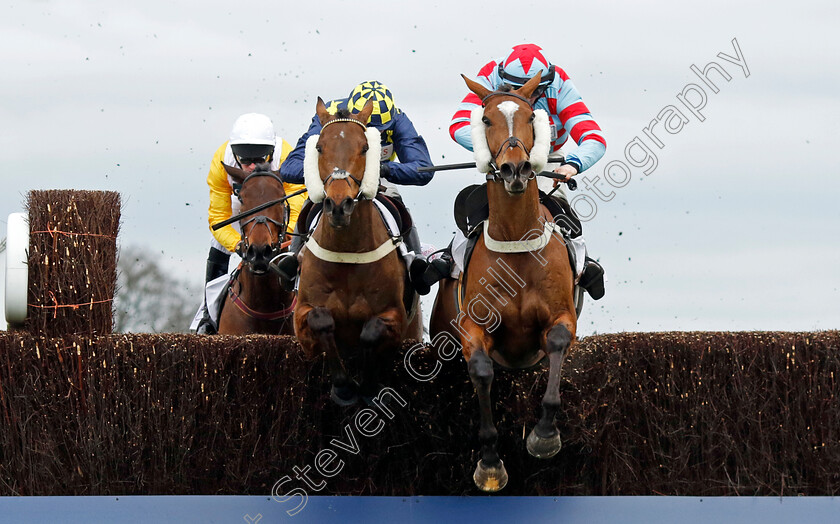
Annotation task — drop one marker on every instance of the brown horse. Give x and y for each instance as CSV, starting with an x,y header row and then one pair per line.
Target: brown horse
x,y
517,306
256,302
351,298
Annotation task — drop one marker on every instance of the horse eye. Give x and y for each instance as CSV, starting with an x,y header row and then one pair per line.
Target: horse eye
x,y
318,148
485,120
533,115
365,149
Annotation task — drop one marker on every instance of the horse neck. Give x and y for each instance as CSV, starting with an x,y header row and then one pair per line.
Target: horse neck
x,y
262,292
512,217
365,232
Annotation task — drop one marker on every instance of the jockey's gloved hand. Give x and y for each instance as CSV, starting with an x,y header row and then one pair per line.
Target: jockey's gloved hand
x,y
385,170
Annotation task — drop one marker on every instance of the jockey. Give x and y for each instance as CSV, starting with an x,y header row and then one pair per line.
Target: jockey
x,y
568,117
252,141
399,141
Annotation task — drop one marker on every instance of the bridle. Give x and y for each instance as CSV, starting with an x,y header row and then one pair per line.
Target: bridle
x,y
341,174
511,143
276,246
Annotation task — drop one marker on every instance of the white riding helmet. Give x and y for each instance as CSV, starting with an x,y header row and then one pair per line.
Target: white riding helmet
x,y
252,136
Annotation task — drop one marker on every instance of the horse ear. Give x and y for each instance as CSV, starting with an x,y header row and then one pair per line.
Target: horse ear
x,y
364,115
530,86
321,111
235,173
476,88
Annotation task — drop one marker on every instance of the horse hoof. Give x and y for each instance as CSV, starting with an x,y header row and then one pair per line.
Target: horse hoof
x,y
343,396
490,478
542,447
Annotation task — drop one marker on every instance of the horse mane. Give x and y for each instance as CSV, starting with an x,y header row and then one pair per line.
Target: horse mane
x,y
505,88
342,113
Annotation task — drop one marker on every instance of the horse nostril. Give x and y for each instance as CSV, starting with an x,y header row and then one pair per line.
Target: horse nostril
x,y
507,170
347,205
249,254
266,251
525,169
328,205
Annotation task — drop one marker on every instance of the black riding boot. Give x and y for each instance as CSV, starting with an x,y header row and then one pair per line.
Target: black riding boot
x,y
592,277
417,263
217,265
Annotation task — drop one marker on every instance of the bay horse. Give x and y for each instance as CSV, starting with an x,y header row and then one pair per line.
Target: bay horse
x,y
517,306
256,302
352,287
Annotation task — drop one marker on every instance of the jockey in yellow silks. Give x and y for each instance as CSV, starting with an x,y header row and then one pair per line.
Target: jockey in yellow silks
x,y
252,141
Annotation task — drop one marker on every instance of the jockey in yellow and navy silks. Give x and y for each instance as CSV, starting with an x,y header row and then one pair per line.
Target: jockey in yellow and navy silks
x,y
399,138
252,141
400,141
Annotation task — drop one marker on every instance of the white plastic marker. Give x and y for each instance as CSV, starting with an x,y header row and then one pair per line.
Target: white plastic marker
x,y
17,270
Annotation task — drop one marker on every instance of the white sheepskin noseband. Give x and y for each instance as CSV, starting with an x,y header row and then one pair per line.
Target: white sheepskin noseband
x,y
481,150
542,140
370,178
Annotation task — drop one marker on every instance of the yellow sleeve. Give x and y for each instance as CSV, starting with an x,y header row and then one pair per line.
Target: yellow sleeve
x,y
296,202
220,193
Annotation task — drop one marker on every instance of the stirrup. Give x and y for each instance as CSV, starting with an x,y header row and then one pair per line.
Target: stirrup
x,y
285,265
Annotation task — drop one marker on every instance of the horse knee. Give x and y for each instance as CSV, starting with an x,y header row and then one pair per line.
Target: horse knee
x,y
481,369
320,320
372,332
558,338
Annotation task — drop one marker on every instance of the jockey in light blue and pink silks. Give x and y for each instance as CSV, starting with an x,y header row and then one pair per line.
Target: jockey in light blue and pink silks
x,y
557,95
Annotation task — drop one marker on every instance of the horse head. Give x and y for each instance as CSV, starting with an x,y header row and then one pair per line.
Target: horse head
x,y
342,163
510,138
262,235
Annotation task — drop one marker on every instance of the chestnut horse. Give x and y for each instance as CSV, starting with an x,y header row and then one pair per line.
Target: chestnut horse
x,y
256,302
352,278
518,305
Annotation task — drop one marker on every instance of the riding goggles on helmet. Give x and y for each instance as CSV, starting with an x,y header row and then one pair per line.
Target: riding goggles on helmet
x,y
518,81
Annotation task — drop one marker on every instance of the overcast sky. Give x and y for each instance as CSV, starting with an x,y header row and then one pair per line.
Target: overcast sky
x,y
735,229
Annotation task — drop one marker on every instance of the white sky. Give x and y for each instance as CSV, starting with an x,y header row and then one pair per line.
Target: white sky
x,y
735,230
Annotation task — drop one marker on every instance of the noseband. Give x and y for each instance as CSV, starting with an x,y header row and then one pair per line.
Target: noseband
x,y
511,143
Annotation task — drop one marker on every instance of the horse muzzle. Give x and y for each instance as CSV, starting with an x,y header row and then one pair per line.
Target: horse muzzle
x,y
339,214
516,176
258,257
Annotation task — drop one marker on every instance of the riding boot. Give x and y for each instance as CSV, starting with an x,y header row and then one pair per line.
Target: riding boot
x,y
217,265
592,279
286,264
416,262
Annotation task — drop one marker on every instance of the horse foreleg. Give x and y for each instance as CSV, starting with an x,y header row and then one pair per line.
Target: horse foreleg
x,y
490,474
544,439
320,321
378,334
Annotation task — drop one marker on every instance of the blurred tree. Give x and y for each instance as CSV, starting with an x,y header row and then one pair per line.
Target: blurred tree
x,y
149,300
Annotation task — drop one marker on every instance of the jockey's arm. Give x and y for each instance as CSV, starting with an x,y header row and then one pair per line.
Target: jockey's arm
x,y
576,118
413,154
292,168
220,207
295,202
